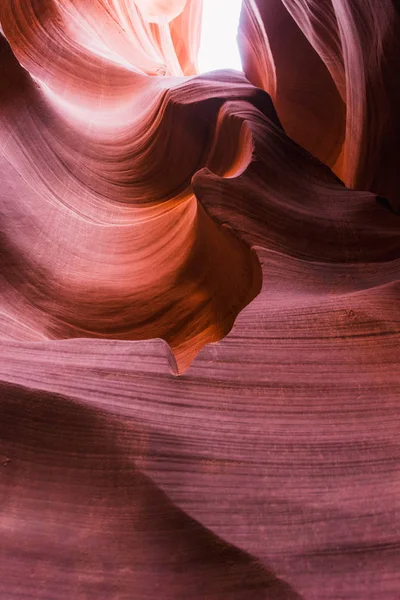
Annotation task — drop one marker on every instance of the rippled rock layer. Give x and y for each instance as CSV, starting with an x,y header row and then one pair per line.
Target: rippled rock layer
x,y
199,303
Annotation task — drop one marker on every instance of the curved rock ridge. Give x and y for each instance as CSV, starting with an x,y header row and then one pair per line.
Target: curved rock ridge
x,y
155,222
107,238
331,67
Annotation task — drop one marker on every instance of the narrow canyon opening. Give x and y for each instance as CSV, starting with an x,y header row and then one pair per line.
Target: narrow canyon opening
x,y
218,41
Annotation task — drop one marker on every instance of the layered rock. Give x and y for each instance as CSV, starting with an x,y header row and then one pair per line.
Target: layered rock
x,y
156,222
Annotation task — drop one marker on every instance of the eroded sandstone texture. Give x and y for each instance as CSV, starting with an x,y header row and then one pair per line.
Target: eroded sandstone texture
x,y
199,321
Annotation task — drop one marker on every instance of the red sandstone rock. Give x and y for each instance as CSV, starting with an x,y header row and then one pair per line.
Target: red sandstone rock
x,y
142,201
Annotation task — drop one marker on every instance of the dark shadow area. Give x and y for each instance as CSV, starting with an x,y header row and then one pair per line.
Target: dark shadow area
x,y
79,520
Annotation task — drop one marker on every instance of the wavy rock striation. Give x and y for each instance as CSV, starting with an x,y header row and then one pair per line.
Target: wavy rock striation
x,y
155,222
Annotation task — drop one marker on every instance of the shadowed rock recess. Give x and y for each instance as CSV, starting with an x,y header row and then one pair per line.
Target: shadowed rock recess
x,y
199,303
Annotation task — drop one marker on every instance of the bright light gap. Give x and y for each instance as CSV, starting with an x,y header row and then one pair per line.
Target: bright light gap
x,y
218,42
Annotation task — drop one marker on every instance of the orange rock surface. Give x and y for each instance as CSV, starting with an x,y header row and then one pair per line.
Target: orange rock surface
x,y
199,303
